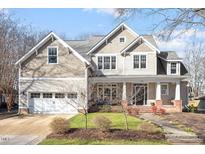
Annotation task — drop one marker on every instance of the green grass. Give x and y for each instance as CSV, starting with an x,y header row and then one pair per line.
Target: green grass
x,y
100,142
118,121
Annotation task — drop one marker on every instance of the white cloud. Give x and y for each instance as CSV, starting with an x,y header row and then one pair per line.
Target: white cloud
x,y
109,11
181,41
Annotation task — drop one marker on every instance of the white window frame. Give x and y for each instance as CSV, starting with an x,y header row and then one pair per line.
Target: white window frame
x,y
109,86
48,54
167,92
107,55
123,38
171,68
141,54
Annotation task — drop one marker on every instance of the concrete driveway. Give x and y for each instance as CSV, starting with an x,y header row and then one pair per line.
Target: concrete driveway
x,y
30,129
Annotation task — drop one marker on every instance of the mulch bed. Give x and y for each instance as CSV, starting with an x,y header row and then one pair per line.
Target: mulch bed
x,y
114,134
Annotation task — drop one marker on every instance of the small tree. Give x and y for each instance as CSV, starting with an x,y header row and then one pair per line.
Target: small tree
x,y
83,108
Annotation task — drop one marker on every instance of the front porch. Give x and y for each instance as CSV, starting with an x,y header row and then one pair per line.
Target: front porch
x,y
138,94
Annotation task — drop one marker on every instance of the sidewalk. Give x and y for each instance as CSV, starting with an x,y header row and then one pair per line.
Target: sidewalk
x,y
173,134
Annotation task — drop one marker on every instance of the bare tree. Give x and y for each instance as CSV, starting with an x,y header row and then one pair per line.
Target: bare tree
x,y
82,108
195,60
171,19
15,40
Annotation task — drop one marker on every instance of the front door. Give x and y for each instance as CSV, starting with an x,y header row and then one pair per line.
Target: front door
x,y
139,94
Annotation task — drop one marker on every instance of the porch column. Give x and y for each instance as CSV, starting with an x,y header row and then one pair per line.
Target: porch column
x,y
158,91
124,94
177,91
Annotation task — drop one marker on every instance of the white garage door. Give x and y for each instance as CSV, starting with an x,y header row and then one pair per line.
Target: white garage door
x,y
53,103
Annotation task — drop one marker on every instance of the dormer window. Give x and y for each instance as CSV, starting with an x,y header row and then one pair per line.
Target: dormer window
x,y
122,39
52,55
173,68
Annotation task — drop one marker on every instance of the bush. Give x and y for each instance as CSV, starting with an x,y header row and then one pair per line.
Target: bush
x,y
154,109
59,125
102,123
105,108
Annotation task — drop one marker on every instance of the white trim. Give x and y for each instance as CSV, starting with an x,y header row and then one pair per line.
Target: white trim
x,y
19,92
110,34
37,78
158,91
124,37
150,45
48,55
61,41
177,91
33,49
130,45
166,84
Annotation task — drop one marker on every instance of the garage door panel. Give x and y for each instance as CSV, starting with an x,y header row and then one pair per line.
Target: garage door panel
x,y
52,105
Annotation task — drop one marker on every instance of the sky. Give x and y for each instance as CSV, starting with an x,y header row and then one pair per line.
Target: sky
x,y
73,23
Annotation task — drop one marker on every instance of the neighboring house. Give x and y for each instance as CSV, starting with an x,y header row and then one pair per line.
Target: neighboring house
x,y
121,66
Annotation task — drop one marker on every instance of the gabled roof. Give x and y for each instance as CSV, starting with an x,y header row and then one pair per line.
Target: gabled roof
x,y
136,40
148,39
110,34
43,41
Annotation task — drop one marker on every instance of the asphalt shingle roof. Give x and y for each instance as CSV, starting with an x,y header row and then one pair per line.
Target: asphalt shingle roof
x,y
169,55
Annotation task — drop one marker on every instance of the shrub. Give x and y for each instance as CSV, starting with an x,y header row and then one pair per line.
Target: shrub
x,y
105,108
102,123
154,109
59,125
148,127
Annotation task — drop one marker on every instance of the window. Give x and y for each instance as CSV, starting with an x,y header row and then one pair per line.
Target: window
x,y
122,39
136,61
164,89
35,95
139,61
59,95
173,68
113,63
72,95
52,55
143,61
100,62
47,95
107,92
107,62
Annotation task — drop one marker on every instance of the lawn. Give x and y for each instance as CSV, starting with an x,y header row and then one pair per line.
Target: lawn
x,y
147,134
118,120
100,142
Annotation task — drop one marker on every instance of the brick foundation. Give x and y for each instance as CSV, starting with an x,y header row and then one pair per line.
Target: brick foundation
x,y
178,105
158,103
23,111
124,103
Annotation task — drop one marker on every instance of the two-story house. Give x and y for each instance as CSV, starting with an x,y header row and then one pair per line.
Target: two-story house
x,y
58,76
